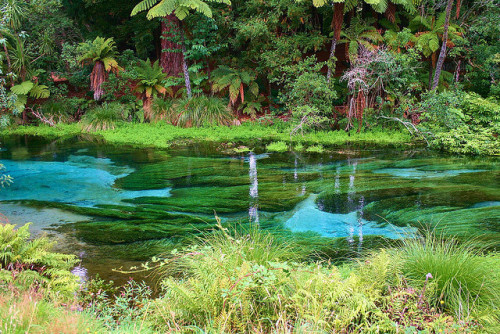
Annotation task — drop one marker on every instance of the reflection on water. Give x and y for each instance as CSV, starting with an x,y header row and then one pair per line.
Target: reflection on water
x,y
253,211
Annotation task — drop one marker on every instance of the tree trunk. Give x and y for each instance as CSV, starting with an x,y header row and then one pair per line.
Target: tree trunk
x,y
337,20
147,107
431,71
97,77
457,71
390,13
185,69
9,65
442,53
171,52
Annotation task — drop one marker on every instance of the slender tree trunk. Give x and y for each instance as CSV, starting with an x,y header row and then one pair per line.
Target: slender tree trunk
x,y
459,5
185,68
337,20
431,71
457,71
171,52
442,53
7,57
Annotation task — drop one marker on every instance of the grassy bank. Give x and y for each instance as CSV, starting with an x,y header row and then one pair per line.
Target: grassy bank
x,y
248,281
163,135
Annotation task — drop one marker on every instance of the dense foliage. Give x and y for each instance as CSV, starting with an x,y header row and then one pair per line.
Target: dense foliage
x,y
321,66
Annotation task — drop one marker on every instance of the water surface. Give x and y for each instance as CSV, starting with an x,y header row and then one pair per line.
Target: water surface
x,y
116,206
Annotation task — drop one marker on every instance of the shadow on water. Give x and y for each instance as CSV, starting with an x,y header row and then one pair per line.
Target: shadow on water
x,y
117,206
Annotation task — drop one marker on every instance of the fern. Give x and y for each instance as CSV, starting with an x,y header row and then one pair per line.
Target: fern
x,y
32,261
181,8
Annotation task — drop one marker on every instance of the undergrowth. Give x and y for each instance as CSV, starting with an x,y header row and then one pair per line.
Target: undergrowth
x,y
247,280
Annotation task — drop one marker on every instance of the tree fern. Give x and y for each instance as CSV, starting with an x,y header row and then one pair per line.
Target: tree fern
x,y
181,8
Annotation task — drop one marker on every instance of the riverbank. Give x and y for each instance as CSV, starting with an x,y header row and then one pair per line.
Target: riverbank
x,y
248,281
162,135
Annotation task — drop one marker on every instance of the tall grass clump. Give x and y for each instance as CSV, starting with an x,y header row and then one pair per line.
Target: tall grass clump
x,y
197,112
30,312
104,117
467,281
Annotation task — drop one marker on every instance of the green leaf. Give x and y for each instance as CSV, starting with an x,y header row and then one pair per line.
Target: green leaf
x,y
23,88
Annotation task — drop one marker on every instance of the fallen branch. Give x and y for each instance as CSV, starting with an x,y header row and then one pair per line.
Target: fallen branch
x,y
49,121
412,129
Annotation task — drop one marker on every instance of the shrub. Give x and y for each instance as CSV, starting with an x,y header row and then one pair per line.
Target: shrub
x,y
26,262
315,149
462,123
105,117
65,110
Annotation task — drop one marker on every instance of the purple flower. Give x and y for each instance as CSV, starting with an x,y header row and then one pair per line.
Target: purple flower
x,y
429,275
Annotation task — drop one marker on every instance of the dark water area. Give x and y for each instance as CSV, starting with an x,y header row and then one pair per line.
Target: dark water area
x,y
117,206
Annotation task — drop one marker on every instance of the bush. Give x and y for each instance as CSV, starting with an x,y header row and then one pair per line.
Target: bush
x,y
105,117
65,110
461,123
25,262
279,146
308,94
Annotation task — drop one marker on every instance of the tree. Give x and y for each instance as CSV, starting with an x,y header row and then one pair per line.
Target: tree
x,y
171,58
429,30
359,34
181,9
101,53
234,81
342,6
150,78
442,53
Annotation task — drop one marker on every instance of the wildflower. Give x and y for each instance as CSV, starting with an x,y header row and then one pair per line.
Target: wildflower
x,y
442,302
429,275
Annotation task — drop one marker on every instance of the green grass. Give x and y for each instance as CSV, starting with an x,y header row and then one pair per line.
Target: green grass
x,y
467,282
251,282
163,135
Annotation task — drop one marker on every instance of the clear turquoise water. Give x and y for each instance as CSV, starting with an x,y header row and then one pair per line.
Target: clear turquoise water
x,y
117,206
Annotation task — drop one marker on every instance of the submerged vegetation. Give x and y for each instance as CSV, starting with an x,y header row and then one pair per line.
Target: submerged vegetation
x,y
249,281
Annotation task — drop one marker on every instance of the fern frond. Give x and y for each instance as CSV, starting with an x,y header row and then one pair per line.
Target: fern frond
x,y
142,6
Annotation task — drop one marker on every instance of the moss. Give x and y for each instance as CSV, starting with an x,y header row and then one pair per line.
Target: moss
x,y
315,149
279,146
